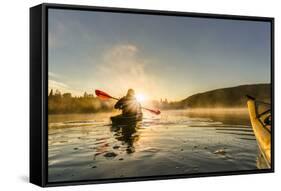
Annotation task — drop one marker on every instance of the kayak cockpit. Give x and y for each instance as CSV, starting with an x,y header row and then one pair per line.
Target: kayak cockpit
x,y
126,119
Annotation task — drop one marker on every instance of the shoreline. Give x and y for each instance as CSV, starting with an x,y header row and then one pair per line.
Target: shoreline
x,y
191,109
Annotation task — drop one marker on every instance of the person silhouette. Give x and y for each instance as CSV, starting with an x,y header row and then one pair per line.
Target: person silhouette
x,y
129,104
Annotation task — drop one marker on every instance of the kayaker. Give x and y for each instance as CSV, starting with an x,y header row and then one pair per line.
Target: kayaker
x,y
129,104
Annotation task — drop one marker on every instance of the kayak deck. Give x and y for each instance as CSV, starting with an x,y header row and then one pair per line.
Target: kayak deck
x,y
124,119
261,128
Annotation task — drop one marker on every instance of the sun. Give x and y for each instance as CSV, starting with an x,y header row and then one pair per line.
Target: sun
x,y
140,98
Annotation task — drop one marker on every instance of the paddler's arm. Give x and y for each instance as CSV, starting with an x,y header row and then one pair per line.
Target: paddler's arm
x,y
119,104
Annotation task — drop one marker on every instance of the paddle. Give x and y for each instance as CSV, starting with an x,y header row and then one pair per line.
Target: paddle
x,y
106,96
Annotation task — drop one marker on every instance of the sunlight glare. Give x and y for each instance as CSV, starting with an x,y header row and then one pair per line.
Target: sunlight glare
x,y
140,98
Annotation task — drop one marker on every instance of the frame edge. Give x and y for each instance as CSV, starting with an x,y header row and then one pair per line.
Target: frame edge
x,y
35,132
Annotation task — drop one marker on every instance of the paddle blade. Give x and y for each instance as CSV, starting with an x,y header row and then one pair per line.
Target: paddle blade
x,y
157,112
102,95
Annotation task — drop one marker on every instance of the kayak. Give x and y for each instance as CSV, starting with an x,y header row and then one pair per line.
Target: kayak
x,y
126,119
260,116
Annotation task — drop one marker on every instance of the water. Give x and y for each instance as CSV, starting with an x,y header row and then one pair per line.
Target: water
x,y
89,147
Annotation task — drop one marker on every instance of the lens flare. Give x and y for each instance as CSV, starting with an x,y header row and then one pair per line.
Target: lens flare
x,y
140,98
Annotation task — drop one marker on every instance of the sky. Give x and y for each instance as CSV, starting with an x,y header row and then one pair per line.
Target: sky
x,y
158,56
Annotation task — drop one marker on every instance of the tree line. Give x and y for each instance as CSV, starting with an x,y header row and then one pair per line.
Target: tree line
x,y
65,103
59,103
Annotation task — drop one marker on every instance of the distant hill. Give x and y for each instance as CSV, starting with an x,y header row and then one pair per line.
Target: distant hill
x,y
227,97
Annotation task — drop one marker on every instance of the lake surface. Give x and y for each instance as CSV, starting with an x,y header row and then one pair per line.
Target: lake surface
x,y
89,147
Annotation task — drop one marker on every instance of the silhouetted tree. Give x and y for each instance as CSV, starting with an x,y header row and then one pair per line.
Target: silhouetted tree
x,y
65,103
57,94
51,93
66,95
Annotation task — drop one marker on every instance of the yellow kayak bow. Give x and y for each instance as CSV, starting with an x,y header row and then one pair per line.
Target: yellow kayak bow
x,y
260,116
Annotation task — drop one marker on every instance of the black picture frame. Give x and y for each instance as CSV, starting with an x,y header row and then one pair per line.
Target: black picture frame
x,y
39,91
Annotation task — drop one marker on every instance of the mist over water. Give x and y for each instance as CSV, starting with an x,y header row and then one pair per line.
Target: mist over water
x,y
88,146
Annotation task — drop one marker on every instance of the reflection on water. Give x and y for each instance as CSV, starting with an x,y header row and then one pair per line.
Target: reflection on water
x,y
127,134
84,147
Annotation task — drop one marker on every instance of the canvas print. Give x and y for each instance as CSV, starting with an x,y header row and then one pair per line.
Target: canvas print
x,y
138,95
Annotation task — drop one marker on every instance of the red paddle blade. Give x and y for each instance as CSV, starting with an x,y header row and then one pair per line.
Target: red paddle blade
x,y
102,94
157,112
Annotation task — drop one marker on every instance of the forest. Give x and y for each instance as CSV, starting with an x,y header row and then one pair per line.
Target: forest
x,y
59,103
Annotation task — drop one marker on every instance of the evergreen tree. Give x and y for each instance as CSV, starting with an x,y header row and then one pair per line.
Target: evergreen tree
x,y
51,93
